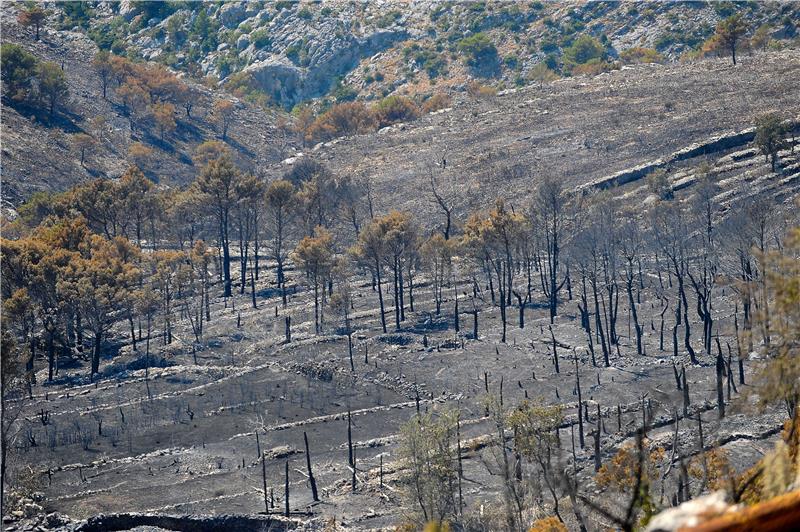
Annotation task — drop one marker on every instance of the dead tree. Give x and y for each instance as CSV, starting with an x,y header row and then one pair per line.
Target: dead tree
x,y
351,459
263,461
677,376
443,199
253,289
670,233
580,401
311,480
551,216
597,459
456,324
286,490
460,467
555,349
720,374
630,244
686,402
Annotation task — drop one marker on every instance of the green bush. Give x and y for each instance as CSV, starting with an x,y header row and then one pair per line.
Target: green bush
x,y
260,38
548,45
511,61
428,60
297,54
106,35
344,93
204,31
584,49
665,40
18,68
388,19
480,52
75,14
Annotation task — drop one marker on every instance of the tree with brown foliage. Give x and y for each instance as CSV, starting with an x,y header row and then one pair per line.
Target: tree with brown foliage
x,y
222,111
164,115
342,119
104,68
33,16
83,143
437,256
370,252
135,101
100,283
140,155
314,255
219,182
280,208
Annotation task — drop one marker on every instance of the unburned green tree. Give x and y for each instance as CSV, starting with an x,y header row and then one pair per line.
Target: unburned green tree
x,y
771,137
52,85
18,68
429,449
730,32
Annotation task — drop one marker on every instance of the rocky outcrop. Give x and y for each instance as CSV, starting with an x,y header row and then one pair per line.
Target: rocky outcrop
x,y
715,144
280,79
318,58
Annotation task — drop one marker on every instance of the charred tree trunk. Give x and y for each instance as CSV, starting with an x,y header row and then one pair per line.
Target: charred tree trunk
x,y
311,478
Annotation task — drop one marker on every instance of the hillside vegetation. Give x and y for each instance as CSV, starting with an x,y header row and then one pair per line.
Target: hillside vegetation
x,y
341,50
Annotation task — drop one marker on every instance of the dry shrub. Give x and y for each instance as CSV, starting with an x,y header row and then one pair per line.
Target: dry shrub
x,y
140,154
718,468
548,524
436,102
620,473
395,109
594,67
343,119
640,55
479,90
778,471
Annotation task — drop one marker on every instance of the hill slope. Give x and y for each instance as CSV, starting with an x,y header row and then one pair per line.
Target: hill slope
x,y
39,154
296,51
580,129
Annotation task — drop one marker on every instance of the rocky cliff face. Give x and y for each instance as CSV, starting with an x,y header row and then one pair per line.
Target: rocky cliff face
x,y
330,49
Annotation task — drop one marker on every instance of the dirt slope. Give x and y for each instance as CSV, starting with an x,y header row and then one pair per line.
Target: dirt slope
x,y
40,156
580,129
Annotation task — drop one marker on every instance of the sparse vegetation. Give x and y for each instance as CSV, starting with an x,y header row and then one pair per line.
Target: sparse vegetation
x,y
480,53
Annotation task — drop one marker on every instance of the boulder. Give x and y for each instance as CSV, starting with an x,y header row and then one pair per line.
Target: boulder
x,y
232,13
279,78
